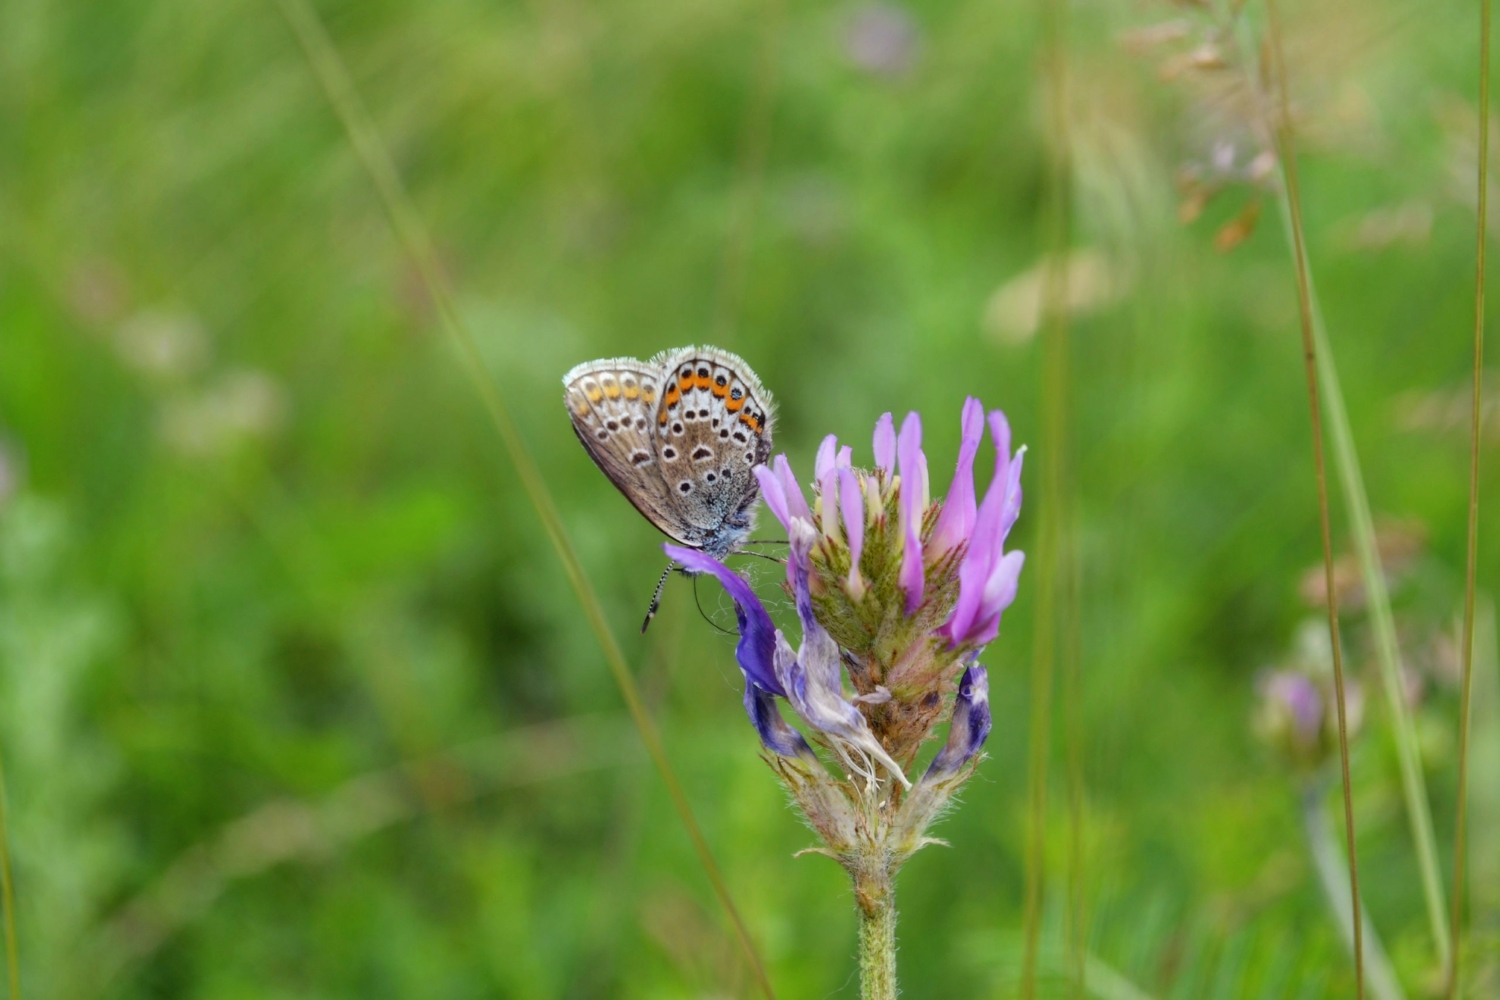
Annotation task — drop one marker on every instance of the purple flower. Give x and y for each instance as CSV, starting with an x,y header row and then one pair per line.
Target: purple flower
x,y
755,652
885,444
988,575
971,724
852,507
913,471
956,521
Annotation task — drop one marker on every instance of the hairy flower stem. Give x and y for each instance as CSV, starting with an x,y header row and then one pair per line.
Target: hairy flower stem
x,y
875,895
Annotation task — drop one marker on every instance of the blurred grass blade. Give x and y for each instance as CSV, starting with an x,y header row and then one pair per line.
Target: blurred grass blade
x,y
339,89
1323,847
750,173
1054,549
1312,350
8,896
1466,694
288,830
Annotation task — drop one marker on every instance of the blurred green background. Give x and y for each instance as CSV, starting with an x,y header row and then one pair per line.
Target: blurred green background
x,y
295,700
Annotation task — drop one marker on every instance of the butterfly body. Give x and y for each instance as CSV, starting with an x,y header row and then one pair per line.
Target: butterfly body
x,y
679,436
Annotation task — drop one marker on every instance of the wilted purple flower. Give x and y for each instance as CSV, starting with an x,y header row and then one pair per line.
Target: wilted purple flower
x,y
970,726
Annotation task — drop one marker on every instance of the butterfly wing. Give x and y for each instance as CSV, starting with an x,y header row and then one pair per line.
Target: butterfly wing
x,y
713,426
613,405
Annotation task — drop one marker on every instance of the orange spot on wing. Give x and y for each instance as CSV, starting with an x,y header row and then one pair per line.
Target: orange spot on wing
x,y
703,381
754,424
593,393
612,390
632,391
685,382
721,390
735,405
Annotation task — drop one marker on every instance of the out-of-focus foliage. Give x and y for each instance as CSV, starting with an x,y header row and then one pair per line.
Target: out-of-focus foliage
x,y
294,698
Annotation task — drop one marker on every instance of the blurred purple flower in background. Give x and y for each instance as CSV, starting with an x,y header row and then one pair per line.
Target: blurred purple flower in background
x,y
882,39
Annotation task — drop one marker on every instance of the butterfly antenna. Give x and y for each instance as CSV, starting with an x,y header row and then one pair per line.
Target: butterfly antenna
x,y
761,555
716,625
656,597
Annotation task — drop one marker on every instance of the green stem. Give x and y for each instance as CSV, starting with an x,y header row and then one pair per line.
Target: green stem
x,y
876,897
1333,878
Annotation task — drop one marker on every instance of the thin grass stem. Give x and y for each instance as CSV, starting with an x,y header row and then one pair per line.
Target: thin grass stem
x,y
1055,551
1288,159
8,896
333,77
1465,709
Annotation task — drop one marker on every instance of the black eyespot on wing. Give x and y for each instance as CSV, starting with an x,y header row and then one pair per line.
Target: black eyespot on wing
x,y
602,434
736,393
685,486
613,425
640,457
677,427
702,452
749,458
640,423
669,453
724,433
711,478
740,437
703,373
721,381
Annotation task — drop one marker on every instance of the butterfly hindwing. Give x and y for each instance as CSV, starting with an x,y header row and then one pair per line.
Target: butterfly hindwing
x,y
713,425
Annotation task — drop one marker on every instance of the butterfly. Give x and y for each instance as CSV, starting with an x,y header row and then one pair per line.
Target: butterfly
x,y
680,436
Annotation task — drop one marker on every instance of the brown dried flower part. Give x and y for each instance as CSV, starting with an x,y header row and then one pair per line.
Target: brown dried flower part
x,y
1399,545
